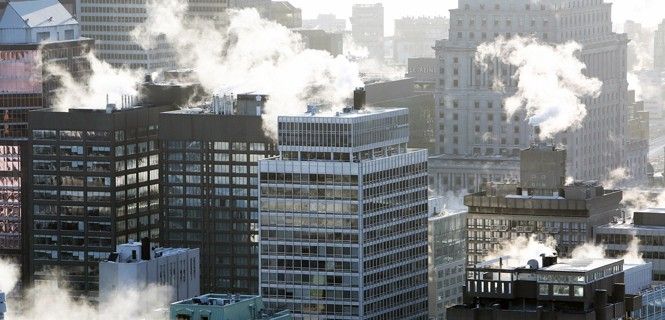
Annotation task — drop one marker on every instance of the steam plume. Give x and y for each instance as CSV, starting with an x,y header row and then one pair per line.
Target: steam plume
x,y
104,81
9,274
48,301
523,249
550,81
251,55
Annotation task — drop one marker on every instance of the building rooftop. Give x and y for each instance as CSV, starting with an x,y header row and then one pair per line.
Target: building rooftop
x,y
313,112
36,13
214,299
133,252
579,265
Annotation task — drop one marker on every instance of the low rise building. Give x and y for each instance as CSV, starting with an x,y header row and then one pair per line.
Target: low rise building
x,y
401,94
136,265
423,72
542,203
647,227
548,288
224,307
333,43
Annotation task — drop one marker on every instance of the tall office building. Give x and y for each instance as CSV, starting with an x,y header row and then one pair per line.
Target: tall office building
x,y
27,46
367,28
659,47
111,23
541,204
93,183
415,37
209,174
447,258
343,217
473,125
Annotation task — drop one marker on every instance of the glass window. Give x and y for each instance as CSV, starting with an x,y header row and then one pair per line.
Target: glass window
x,y
579,291
561,290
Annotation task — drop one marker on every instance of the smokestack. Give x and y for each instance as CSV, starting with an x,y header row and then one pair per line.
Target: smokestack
x,y
359,98
145,249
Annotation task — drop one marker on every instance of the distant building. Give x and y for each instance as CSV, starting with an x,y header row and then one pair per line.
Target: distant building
x,y
367,28
447,259
416,37
544,288
263,7
470,126
659,47
637,146
111,24
224,307
209,174
647,227
28,46
326,22
333,43
541,204
211,10
284,13
424,74
136,265
343,217
652,304
401,94
94,182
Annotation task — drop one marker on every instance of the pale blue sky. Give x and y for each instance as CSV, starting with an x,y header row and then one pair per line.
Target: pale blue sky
x,y
650,12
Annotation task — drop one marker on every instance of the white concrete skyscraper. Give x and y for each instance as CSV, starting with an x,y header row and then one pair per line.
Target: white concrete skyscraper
x,y
475,135
343,218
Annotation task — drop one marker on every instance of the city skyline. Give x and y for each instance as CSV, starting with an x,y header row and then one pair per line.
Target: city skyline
x,y
264,159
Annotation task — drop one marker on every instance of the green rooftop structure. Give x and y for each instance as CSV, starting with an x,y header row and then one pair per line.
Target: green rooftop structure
x,y
224,307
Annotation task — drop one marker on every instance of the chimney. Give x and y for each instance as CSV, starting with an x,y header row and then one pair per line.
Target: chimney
x,y
145,249
359,98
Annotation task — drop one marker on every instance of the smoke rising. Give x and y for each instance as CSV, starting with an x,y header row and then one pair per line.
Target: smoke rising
x,y
49,302
250,54
550,81
105,82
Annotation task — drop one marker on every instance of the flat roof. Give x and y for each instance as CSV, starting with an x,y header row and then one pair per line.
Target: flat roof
x,y
340,114
226,299
579,265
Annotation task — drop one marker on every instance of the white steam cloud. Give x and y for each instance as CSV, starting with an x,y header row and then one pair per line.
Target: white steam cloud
x,y
592,251
49,302
251,55
105,82
9,275
616,177
550,81
523,249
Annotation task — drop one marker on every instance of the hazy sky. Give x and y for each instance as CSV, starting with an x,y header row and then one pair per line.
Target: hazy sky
x,y
650,12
